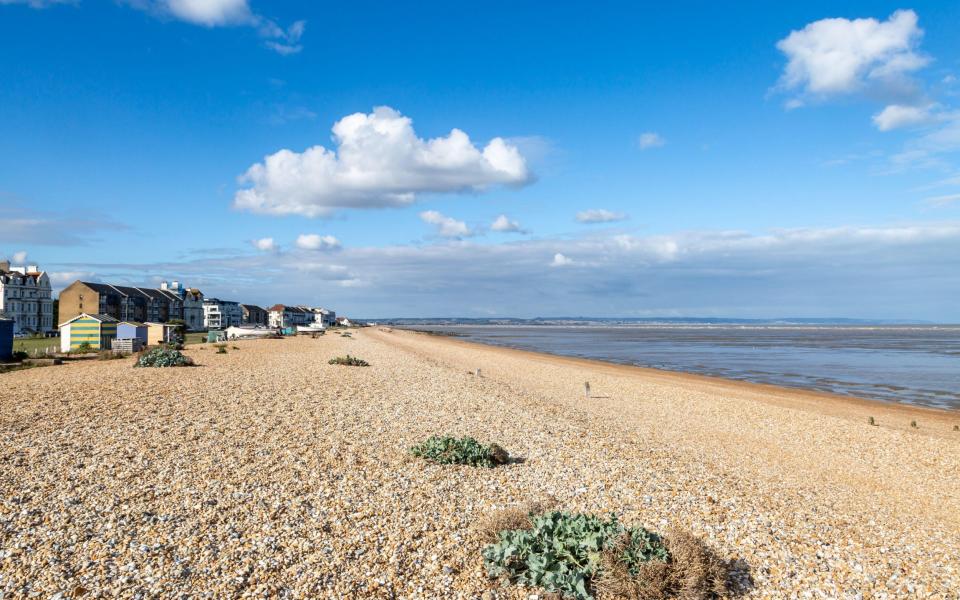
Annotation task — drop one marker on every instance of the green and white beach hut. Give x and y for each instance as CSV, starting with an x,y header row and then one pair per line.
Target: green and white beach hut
x,y
95,330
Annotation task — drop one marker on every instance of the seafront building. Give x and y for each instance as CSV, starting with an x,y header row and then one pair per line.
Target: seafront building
x,y
124,303
27,298
220,314
283,316
192,299
254,315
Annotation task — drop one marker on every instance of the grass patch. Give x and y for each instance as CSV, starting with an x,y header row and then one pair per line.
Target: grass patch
x,y
37,345
163,357
350,361
579,555
460,451
221,348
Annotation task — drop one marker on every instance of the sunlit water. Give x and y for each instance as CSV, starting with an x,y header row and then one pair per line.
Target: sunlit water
x,y
911,364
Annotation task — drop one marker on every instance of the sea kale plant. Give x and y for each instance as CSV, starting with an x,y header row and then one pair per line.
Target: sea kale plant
x,y
163,357
460,451
563,552
350,361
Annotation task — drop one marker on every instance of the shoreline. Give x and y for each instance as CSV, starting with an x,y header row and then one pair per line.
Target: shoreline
x,y
795,397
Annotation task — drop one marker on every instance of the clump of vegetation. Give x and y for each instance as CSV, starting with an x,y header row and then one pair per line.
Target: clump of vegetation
x,y
82,348
872,421
563,552
346,334
20,355
350,361
235,347
221,348
164,357
913,424
460,451
110,355
956,427
578,555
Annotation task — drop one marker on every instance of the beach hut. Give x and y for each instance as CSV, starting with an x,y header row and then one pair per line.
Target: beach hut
x,y
131,335
6,339
94,330
161,333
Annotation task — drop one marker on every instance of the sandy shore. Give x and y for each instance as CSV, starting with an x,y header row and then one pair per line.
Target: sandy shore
x,y
266,472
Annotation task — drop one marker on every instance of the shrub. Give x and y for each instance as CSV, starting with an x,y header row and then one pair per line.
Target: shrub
x,y
872,421
110,355
913,424
221,348
162,357
20,355
563,552
462,451
350,361
956,427
84,347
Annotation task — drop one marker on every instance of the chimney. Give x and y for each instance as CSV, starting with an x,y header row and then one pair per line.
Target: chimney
x,y
4,265
163,285
33,269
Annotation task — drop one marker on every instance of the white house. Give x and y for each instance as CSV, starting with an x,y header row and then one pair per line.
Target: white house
x,y
282,316
220,314
27,298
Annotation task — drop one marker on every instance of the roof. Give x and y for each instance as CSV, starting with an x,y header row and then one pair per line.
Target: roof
x,y
134,323
252,307
94,316
128,291
151,324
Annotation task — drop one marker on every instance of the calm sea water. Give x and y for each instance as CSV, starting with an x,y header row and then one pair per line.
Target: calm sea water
x,y
912,364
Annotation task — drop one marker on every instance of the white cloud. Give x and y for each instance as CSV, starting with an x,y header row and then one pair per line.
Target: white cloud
x,y
925,149
841,56
504,225
599,215
313,241
379,161
226,13
446,226
60,279
650,140
211,13
943,200
901,271
265,244
895,116
559,260
19,258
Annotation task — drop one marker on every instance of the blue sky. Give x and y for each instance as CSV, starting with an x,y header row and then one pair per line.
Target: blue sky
x,y
622,159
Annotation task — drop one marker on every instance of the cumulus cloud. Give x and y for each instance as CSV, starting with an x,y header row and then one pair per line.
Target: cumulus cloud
x,y
599,215
650,140
379,161
226,13
19,258
446,226
895,116
313,241
840,56
559,260
265,244
503,224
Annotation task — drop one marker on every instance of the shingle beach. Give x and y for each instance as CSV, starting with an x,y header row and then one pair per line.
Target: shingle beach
x,y
267,472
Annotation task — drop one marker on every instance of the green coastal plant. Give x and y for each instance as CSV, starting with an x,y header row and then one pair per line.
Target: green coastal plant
x,y
221,348
913,424
460,451
350,361
564,552
163,357
872,421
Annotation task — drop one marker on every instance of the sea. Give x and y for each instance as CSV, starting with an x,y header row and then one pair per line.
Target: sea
x,y
913,364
